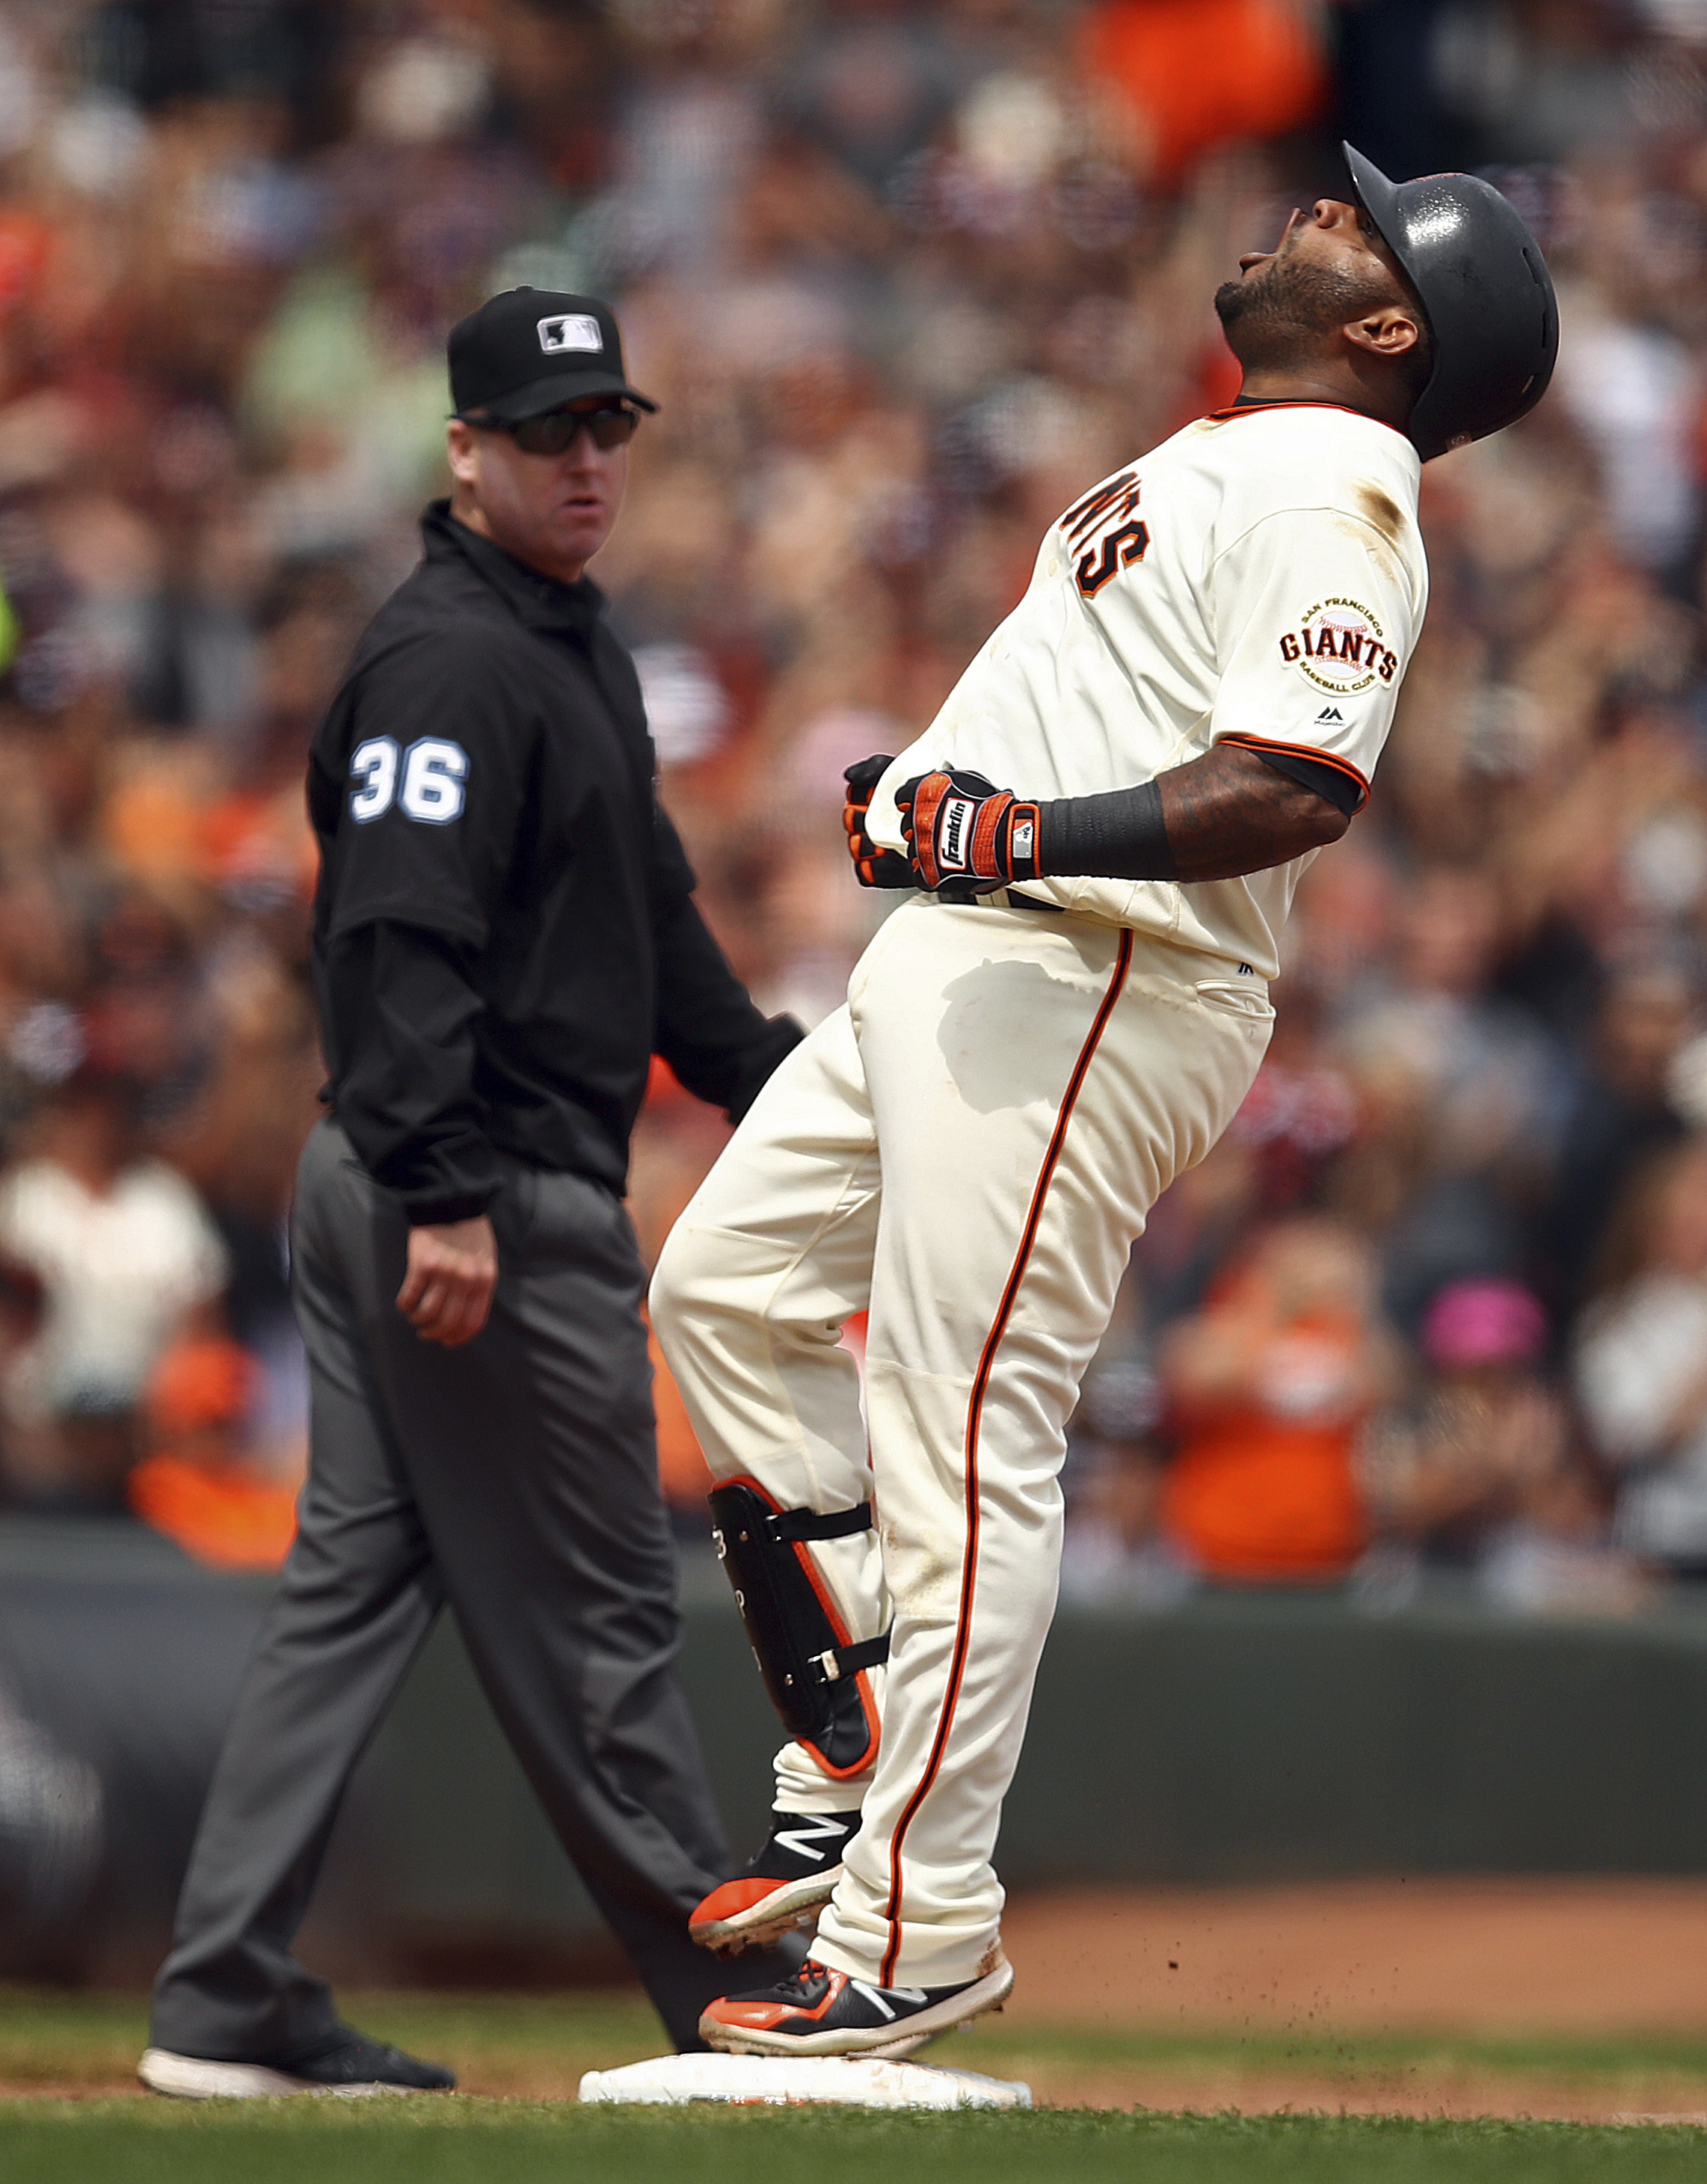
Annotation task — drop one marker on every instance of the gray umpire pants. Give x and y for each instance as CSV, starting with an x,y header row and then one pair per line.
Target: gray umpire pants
x,y
516,1478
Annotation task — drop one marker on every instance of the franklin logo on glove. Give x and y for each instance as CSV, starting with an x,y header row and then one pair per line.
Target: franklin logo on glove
x,y
952,830
963,831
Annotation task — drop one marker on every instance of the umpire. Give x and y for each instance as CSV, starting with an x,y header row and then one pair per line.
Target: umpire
x,y
504,935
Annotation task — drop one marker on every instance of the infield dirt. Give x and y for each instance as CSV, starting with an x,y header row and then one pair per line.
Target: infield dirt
x,y
1599,1957
1362,1980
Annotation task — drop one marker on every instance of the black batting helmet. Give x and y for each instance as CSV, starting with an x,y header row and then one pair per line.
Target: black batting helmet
x,y
1486,292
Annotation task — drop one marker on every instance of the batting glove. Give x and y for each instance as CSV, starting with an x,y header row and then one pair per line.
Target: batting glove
x,y
961,828
876,866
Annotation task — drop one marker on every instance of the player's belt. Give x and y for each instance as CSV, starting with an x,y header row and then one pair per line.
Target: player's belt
x,y
1014,899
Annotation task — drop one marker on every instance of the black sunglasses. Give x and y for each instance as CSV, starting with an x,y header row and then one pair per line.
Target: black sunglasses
x,y
554,433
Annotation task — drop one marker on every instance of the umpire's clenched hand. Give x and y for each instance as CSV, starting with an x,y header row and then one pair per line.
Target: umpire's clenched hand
x,y
452,1270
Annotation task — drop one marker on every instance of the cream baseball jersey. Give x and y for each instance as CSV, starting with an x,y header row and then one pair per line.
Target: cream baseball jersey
x,y
1260,576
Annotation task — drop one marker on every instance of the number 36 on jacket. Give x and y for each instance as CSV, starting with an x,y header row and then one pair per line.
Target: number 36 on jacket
x,y
431,773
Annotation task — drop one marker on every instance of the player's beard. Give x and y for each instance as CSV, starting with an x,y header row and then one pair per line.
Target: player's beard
x,y
1274,317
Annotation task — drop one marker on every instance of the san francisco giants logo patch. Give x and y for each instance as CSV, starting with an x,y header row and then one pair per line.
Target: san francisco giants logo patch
x,y
1339,647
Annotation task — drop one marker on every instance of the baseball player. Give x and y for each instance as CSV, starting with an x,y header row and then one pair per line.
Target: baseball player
x,y
1189,701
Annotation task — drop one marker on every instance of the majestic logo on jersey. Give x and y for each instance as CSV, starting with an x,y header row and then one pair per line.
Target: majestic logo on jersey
x,y
1339,647
1112,504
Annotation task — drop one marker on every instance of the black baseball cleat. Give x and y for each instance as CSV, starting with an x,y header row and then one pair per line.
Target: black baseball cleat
x,y
785,1885
345,2062
821,2012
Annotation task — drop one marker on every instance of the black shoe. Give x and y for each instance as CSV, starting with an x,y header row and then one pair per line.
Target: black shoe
x,y
344,2062
785,1885
821,2012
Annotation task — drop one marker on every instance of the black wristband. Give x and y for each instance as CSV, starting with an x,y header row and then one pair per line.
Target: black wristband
x,y
1120,835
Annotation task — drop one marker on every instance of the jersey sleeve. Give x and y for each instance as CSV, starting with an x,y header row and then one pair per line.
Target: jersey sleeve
x,y
437,762
1315,620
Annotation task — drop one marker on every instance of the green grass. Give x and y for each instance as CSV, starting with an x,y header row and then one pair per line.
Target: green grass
x,y
59,2039
423,2142
524,2041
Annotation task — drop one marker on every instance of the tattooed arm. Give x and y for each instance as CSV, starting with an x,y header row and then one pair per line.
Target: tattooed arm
x,y
1228,812
1239,808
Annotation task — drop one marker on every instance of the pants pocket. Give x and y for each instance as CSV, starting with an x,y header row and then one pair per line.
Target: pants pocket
x,y
1236,997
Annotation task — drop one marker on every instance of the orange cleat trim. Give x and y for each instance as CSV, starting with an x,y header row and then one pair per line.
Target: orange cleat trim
x,y
733,1897
764,2016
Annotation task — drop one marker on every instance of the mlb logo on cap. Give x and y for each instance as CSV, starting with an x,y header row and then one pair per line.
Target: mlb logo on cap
x,y
532,349
571,329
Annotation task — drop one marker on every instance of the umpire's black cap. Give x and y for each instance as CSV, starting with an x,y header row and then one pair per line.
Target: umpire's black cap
x,y
533,349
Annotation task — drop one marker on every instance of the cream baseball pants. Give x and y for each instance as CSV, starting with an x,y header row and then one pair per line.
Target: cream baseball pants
x,y
966,1152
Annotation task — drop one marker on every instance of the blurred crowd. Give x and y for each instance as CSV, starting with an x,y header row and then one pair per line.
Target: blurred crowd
x,y
904,279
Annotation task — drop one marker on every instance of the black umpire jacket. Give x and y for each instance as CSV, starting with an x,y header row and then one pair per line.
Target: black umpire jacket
x,y
504,929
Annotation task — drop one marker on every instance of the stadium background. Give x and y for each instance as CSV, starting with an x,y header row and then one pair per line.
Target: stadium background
x,y
1387,1534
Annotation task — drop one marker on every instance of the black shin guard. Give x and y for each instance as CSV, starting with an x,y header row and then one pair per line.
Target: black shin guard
x,y
810,1670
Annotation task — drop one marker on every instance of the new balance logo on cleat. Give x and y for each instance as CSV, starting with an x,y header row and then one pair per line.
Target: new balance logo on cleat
x,y
784,1885
883,2000
812,1836
820,2011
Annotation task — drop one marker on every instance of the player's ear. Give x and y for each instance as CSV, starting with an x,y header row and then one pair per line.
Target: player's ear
x,y
1392,330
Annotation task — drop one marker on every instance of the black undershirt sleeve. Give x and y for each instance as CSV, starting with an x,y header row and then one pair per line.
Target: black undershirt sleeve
x,y
1341,789
1121,836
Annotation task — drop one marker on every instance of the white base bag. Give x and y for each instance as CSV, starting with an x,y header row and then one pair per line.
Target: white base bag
x,y
786,2080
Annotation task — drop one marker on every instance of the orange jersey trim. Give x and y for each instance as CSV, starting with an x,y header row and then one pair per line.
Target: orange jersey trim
x,y
974,1416
1256,409
1305,750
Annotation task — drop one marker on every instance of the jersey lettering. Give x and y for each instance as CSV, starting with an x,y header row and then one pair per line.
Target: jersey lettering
x,y
374,764
434,770
1119,496
1120,550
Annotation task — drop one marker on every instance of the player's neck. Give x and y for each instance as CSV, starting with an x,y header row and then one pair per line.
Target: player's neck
x,y
1344,387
